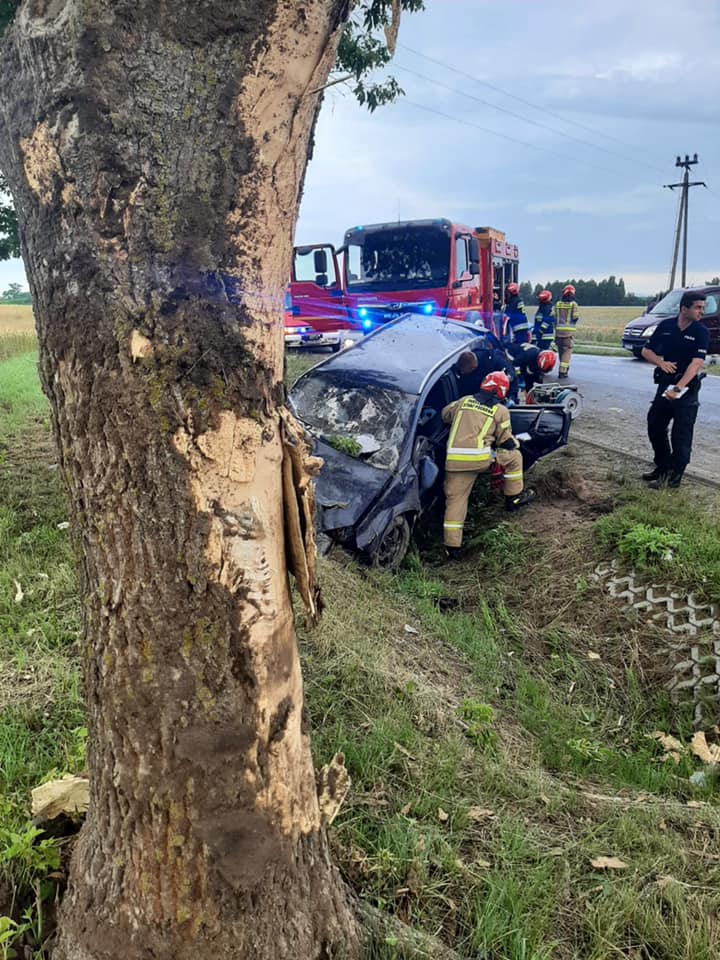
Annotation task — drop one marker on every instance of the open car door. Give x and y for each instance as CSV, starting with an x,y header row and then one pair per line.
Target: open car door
x,y
316,291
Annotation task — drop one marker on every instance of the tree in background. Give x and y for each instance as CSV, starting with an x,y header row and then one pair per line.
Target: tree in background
x,y
157,152
609,292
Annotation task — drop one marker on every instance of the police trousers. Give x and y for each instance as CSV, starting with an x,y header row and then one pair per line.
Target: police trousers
x,y
672,455
458,487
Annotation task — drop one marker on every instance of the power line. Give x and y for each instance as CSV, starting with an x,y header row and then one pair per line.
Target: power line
x,y
527,103
511,113
523,143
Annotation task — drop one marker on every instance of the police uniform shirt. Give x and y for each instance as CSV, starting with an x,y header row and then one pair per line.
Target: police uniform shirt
x,y
680,347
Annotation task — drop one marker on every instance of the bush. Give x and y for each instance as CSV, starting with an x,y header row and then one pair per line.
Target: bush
x,y
644,544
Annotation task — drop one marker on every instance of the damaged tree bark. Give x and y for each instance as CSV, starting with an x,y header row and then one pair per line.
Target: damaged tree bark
x,y
155,152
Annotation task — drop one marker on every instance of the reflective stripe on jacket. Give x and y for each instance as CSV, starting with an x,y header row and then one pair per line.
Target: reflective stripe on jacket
x,y
477,424
566,315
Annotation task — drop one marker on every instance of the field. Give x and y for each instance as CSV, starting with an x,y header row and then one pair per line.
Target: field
x,y
498,716
604,325
17,330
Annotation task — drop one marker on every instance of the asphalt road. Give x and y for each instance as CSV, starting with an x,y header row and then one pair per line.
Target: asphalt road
x,y
616,395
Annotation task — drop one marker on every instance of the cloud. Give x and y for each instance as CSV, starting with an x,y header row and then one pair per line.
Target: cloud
x,y
624,203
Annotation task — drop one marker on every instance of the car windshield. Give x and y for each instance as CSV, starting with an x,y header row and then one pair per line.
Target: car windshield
x,y
364,421
408,258
669,305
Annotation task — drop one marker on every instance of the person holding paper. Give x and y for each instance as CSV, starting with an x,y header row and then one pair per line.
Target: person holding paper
x,y
678,349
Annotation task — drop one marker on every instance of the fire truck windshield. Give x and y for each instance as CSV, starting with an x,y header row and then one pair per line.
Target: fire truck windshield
x,y
406,258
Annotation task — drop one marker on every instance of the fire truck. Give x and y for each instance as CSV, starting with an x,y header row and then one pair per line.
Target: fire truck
x,y
316,313
424,266
427,266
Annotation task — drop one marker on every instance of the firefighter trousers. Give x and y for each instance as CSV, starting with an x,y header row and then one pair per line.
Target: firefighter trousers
x,y
458,487
565,347
673,455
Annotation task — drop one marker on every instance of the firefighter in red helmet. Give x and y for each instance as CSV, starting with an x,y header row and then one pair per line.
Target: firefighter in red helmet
x,y
566,315
480,426
544,326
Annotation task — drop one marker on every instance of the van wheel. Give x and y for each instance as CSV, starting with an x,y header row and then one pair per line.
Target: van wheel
x,y
393,544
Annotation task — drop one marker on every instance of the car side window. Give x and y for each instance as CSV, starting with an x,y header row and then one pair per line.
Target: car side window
x,y
439,396
711,303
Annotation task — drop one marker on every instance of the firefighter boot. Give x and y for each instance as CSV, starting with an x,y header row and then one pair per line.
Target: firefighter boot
x,y
519,500
452,554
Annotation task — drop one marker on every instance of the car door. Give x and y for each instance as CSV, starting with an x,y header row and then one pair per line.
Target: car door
x,y
711,319
315,289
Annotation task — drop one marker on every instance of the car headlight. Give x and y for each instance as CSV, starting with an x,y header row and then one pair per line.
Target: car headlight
x,y
649,331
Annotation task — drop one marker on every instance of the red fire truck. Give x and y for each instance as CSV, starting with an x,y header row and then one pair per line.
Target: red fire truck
x,y
316,314
427,266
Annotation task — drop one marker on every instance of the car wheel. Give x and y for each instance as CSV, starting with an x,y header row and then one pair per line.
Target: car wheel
x,y
335,348
394,541
637,353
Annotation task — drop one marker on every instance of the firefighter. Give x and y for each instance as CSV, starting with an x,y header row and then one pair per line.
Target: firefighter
x,y
479,423
517,337
533,363
678,349
566,316
495,358
544,328
518,326
465,369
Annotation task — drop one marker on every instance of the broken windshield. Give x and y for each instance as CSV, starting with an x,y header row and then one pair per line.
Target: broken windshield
x,y
407,258
367,421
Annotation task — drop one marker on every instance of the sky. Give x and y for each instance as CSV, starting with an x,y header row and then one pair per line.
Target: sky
x,y
635,82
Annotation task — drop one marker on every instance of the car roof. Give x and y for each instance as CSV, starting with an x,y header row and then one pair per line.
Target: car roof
x,y
402,353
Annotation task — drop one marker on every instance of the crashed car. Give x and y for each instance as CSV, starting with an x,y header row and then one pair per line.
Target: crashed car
x,y
374,412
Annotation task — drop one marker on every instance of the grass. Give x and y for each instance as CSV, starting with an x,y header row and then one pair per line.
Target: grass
x,y
605,325
491,759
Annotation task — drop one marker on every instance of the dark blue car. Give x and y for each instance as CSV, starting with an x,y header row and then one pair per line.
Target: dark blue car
x,y
374,413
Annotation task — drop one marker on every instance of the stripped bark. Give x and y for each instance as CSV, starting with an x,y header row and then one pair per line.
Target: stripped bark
x,y
155,152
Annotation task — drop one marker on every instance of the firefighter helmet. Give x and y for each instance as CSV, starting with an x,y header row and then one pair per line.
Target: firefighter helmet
x,y
496,382
569,290
513,289
545,296
546,360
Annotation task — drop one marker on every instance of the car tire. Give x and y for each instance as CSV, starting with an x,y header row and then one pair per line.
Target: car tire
x,y
335,347
392,545
637,353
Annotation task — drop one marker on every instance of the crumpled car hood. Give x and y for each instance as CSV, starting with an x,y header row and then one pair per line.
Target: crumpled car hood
x,y
346,487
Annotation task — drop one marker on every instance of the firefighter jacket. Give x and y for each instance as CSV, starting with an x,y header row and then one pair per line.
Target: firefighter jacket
x,y
518,328
566,315
479,423
544,329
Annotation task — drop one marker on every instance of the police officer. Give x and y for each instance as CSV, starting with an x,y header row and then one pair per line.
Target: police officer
x,y
479,423
678,349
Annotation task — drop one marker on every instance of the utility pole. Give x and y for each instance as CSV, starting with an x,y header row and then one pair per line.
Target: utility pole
x,y
682,217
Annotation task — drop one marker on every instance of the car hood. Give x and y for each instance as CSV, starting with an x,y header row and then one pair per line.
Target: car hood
x,y
346,487
642,323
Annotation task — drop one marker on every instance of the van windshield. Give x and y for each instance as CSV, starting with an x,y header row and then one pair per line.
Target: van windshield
x,y
669,305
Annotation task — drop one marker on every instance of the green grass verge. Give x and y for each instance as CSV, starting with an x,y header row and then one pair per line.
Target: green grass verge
x,y
491,760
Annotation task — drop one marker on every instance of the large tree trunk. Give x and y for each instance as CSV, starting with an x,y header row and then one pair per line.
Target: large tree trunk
x,y
156,150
